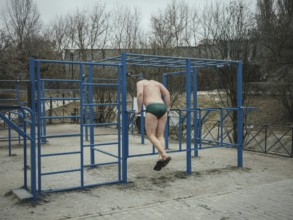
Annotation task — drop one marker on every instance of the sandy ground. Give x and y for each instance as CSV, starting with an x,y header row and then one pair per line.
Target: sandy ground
x,y
213,172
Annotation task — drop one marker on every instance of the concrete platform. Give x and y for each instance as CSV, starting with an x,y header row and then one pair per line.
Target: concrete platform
x,y
267,202
216,189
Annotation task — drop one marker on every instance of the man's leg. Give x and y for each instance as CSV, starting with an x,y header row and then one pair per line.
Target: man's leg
x,y
151,124
160,132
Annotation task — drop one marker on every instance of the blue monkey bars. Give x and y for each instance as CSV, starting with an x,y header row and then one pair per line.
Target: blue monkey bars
x,y
188,67
86,81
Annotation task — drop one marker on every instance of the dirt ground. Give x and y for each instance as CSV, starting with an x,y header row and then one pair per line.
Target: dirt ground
x,y
213,172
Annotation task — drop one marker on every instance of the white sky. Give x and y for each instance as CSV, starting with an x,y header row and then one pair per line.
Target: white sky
x,y
50,9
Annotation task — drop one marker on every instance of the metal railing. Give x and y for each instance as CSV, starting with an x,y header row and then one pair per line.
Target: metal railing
x,y
269,139
262,138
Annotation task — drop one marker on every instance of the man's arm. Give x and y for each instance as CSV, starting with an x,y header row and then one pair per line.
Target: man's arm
x,y
166,96
139,94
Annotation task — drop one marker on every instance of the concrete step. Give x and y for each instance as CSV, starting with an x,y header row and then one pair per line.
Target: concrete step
x,y
22,194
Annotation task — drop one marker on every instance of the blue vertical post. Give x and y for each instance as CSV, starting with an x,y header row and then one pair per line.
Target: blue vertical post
x,y
44,114
39,103
239,116
195,128
199,128
180,129
188,116
142,117
84,109
9,135
81,90
33,143
91,100
119,120
222,127
125,140
39,121
33,156
24,150
168,117
19,103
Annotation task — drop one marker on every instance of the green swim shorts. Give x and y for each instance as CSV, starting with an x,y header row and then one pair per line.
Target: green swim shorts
x,y
157,109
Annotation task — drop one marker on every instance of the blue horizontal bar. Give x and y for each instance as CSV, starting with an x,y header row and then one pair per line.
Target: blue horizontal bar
x,y
101,144
8,90
62,90
101,124
14,80
59,154
150,154
79,187
60,172
180,58
105,134
77,62
8,99
217,146
101,104
100,164
58,117
60,80
15,138
105,152
54,99
100,84
182,150
61,135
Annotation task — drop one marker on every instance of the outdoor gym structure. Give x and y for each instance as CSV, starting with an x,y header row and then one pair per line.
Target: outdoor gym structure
x,y
87,80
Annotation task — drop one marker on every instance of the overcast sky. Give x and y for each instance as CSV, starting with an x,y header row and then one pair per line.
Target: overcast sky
x,y
50,9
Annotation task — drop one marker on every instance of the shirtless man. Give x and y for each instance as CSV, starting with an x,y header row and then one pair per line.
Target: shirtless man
x,y
156,98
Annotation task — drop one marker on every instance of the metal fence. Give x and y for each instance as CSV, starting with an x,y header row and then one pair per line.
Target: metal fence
x,y
265,138
262,138
269,139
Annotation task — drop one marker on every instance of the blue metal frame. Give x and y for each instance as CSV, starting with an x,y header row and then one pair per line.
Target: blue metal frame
x,y
15,89
86,107
239,116
31,137
187,66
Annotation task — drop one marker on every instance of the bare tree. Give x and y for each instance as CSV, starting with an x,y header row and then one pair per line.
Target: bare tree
x,y
6,53
99,28
161,30
81,27
174,26
22,23
231,32
56,32
275,25
126,28
84,31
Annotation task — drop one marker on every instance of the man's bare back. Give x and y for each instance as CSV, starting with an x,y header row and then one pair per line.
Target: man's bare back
x,y
150,91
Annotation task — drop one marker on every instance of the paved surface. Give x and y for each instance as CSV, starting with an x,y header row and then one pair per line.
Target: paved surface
x,y
216,189
271,201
